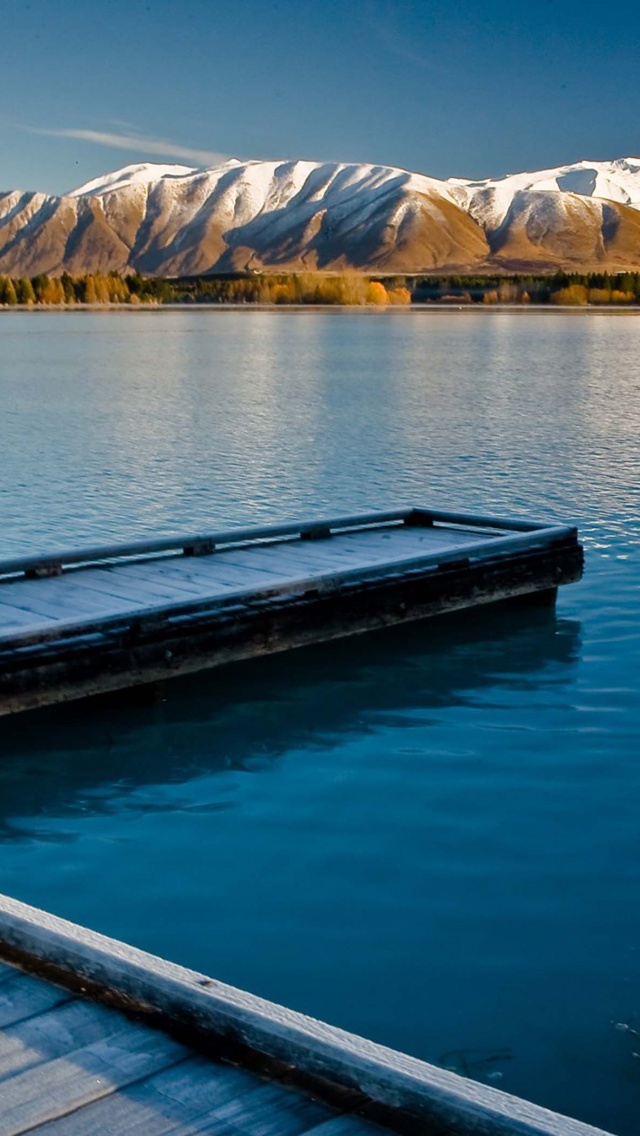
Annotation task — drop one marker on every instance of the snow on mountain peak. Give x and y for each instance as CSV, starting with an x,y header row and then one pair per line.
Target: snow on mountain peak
x,y
138,173
285,178
275,183
490,200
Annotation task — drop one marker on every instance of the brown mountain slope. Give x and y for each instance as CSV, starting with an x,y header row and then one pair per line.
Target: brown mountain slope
x,y
550,230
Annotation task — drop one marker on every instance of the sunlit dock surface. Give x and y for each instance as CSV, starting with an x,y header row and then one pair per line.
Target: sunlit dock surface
x,y
99,1037
90,620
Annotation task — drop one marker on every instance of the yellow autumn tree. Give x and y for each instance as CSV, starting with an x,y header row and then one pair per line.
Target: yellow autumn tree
x,y
118,291
399,296
599,296
102,289
283,293
52,292
575,295
377,293
622,297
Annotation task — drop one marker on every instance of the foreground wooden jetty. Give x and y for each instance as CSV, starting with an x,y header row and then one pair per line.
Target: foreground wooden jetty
x,y
98,1038
90,620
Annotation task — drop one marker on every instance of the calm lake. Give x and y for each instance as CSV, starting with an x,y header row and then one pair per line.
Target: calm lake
x,y
429,836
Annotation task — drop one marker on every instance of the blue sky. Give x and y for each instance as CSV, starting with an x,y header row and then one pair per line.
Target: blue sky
x,y
451,89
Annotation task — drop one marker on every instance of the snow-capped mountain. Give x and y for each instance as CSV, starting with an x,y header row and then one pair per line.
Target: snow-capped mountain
x,y
489,201
173,220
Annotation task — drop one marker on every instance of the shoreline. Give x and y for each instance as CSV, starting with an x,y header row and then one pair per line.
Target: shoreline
x,y
363,309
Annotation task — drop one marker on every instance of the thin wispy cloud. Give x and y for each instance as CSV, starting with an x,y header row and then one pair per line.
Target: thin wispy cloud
x,y
159,147
388,32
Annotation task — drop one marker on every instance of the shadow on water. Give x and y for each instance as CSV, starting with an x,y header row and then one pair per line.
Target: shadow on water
x,y
245,716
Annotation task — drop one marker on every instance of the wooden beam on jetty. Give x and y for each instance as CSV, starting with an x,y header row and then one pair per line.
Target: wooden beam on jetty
x,y
89,620
217,1060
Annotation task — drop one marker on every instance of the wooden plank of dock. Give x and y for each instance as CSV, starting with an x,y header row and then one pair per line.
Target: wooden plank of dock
x,y
77,1068
102,1038
85,621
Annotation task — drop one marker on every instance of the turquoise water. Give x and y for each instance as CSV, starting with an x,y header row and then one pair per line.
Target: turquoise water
x,y
429,836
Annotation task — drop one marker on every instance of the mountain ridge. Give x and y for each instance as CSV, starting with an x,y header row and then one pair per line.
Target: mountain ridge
x,y
175,220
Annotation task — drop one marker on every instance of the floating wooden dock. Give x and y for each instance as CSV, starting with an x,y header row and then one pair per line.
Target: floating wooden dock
x,y
90,620
100,1039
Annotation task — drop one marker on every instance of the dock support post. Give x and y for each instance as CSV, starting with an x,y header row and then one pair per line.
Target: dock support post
x,y
199,548
419,518
319,533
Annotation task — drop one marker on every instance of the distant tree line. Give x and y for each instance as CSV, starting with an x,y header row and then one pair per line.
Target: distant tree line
x,y
290,288
96,288
575,289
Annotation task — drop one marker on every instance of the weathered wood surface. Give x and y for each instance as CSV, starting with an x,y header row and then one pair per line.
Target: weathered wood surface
x,y
79,1069
196,543
120,1077
21,996
141,617
89,593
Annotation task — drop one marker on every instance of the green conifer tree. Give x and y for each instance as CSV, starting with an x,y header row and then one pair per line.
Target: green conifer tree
x,y
24,291
68,285
7,291
40,286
